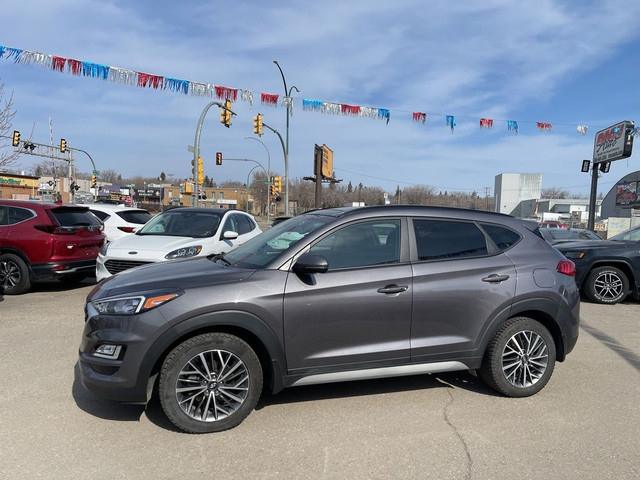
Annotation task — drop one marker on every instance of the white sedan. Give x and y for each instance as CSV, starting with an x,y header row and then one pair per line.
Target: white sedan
x,y
176,234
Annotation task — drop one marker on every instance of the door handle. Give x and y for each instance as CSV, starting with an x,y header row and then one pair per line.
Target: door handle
x,y
393,289
495,278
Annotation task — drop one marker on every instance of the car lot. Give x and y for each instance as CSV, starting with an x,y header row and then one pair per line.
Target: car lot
x,y
582,425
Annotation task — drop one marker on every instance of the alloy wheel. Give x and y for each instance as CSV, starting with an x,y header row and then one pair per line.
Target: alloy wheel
x,y
608,285
524,359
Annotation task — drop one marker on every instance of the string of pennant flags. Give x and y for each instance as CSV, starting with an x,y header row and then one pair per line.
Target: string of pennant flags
x,y
201,89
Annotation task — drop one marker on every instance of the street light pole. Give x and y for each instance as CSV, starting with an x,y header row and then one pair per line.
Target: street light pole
x,y
268,170
287,99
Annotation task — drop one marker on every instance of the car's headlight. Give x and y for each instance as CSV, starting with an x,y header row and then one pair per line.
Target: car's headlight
x,y
105,247
575,255
134,304
184,252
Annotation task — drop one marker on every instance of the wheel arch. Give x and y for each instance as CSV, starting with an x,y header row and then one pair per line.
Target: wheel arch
x,y
19,253
243,325
621,265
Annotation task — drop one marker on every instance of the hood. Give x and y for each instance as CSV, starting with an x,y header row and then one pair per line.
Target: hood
x,y
153,243
589,244
170,275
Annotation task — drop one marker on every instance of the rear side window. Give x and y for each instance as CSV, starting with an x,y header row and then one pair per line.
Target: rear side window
x,y
75,217
13,215
137,216
443,239
101,215
503,237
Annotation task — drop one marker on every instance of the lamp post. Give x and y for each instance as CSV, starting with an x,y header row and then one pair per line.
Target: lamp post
x,y
268,170
287,99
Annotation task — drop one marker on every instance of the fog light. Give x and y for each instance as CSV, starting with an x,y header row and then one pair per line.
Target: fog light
x,y
108,351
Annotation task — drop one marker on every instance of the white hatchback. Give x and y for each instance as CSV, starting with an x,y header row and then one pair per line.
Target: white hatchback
x,y
177,234
119,220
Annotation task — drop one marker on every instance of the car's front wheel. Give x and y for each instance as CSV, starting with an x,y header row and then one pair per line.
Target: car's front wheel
x,y
520,358
210,383
14,275
607,285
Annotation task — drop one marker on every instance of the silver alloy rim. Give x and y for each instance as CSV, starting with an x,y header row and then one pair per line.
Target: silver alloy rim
x,y
212,385
608,286
9,274
524,359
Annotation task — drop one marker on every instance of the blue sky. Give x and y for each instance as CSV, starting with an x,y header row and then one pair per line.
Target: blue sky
x,y
567,63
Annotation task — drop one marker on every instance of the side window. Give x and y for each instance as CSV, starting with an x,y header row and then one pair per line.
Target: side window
x,y
361,245
230,224
101,215
503,237
442,239
244,224
3,215
17,215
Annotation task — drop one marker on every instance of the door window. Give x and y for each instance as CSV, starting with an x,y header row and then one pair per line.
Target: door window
x,y
444,239
362,244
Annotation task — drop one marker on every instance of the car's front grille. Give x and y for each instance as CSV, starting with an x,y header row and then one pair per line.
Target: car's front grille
x,y
116,266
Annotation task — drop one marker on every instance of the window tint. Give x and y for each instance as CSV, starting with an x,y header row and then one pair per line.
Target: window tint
x,y
75,217
441,239
244,224
13,215
137,216
361,244
101,215
503,237
230,224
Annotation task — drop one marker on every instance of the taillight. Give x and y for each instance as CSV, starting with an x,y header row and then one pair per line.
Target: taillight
x,y
126,229
56,230
566,267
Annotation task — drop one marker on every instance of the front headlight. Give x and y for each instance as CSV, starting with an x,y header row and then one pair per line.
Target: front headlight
x,y
184,252
132,305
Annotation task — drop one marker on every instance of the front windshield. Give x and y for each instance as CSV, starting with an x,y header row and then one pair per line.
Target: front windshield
x,y
179,223
633,234
261,250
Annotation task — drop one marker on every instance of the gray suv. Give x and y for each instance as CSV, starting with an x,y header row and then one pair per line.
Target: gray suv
x,y
334,295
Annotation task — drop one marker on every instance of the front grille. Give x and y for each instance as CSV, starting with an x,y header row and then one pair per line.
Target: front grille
x,y
116,266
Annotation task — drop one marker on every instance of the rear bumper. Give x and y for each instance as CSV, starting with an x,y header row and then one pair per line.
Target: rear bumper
x,y
60,269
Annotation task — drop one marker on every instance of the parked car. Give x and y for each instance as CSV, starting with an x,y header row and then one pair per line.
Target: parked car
x,y
178,233
560,235
607,271
334,295
41,240
119,220
280,219
552,225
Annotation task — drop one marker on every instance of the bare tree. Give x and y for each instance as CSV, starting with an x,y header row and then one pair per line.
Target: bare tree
x,y
6,118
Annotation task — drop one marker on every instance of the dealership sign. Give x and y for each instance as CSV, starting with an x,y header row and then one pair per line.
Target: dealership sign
x,y
613,143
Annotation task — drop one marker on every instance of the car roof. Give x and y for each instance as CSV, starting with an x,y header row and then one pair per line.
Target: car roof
x,y
30,203
107,207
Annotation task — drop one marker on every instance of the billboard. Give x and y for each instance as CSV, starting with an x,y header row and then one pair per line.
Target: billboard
x,y
627,194
613,143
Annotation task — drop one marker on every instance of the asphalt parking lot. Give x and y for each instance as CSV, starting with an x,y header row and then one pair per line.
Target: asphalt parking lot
x,y
584,425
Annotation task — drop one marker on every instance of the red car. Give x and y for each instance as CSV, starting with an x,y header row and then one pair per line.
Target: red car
x,y
552,225
41,240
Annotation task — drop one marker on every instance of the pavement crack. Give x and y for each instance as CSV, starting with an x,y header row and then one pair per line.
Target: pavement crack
x,y
447,419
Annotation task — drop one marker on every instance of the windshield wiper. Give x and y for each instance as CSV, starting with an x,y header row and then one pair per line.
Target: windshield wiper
x,y
220,256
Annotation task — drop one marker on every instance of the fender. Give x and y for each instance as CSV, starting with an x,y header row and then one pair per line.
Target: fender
x,y
207,322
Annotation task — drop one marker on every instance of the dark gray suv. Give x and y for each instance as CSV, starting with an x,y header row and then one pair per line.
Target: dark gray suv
x,y
334,295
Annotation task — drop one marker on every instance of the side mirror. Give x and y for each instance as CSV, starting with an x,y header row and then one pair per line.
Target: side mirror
x,y
310,263
229,235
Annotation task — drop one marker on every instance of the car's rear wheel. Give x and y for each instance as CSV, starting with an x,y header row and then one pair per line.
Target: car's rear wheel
x,y
607,285
14,274
520,358
210,383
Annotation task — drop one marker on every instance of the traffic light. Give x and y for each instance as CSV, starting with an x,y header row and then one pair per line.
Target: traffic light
x,y
278,184
16,138
63,145
225,114
218,158
200,171
257,124
94,181
272,190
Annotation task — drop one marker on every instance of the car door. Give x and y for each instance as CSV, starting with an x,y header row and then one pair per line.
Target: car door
x,y
460,281
356,314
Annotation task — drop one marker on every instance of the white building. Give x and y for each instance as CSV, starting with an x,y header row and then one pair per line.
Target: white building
x,y
511,189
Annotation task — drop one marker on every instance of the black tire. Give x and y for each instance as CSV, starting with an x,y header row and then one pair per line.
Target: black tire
x,y
14,275
223,378
520,358
607,285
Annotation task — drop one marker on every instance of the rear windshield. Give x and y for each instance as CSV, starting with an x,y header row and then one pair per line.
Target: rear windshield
x,y
75,217
136,216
